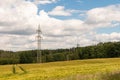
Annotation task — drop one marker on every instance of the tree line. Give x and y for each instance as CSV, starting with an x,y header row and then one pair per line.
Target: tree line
x,y
101,50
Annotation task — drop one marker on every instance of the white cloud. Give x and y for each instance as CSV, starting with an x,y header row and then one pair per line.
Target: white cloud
x,y
108,37
104,16
60,11
15,20
44,1
19,21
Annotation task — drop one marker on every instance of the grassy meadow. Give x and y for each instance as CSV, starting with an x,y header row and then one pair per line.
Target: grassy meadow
x,y
89,69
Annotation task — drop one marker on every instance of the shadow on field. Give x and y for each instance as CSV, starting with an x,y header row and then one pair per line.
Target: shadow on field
x,y
112,76
100,76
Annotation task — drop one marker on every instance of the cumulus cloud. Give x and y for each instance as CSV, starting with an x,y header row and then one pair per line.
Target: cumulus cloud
x,y
108,37
19,21
15,19
59,11
104,16
43,1
21,12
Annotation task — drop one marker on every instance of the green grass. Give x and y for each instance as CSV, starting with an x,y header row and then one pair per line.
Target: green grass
x,y
91,69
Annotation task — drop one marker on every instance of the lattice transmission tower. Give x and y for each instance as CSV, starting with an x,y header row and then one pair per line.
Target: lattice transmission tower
x,y
39,38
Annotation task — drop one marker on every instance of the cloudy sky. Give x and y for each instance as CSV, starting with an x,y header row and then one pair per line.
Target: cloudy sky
x,y
64,23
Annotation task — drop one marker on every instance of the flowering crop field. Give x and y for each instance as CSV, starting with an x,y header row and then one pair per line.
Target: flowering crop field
x,y
64,70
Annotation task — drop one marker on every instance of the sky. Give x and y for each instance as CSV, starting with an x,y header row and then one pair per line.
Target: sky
x,y
64,23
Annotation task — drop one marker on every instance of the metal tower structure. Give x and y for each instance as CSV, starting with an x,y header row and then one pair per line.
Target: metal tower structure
x,y
77,41
78,45
39,37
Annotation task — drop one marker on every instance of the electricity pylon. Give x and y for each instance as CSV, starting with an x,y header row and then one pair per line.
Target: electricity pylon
x,y
39,37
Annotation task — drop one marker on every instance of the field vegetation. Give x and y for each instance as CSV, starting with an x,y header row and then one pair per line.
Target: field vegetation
x,y
88,69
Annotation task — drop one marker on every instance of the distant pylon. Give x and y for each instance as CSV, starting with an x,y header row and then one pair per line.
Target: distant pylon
x,y
77,39
39,37
78,45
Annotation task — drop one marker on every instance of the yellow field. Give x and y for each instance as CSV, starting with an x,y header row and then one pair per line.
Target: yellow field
x,y
60,70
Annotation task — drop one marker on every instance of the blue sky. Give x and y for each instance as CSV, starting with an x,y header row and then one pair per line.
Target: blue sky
x,y
79,4
64,23
83,5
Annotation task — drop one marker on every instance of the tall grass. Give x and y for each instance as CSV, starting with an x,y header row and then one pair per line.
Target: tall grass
x,y
91,69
